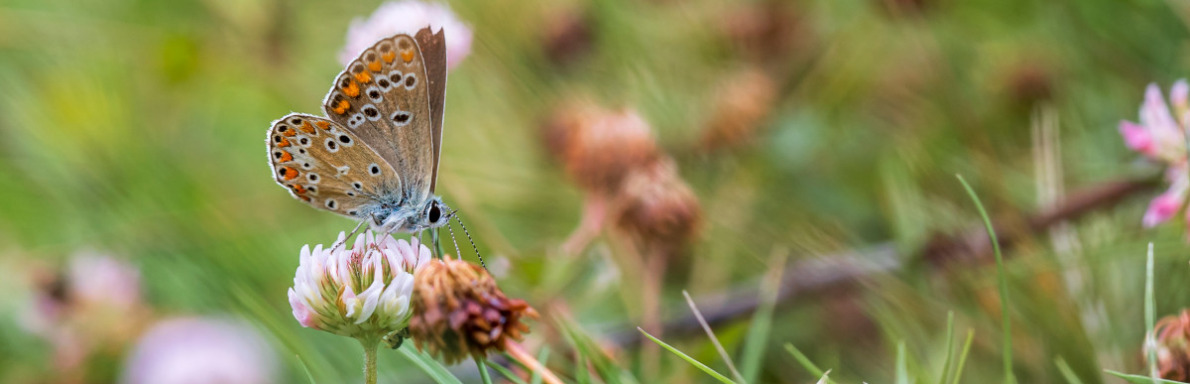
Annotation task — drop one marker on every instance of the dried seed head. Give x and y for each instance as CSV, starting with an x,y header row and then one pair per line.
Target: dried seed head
x,y
656,205
597,146
1173,346
741,106
567,36
458,311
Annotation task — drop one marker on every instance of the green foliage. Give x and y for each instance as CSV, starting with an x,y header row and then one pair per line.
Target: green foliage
x,y
134,128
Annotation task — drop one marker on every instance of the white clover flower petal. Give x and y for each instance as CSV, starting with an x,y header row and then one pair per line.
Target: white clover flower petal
x,y
362,292
408,17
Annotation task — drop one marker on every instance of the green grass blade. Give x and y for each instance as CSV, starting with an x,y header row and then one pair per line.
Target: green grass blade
x,y
1067,373
1138,379
305,368
1150,317
688,359
805,362
825,377
428,365
762,320
958,370
542,357
902,370
582,373
949,347
1002,277
481,365
508,375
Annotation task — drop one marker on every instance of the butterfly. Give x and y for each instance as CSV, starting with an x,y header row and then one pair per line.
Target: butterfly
x,y
374,157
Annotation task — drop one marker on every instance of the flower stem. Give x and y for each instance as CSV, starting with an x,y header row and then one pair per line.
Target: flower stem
x,y
483,370
369,360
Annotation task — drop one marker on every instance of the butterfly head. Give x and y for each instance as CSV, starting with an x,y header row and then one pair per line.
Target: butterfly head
x,y
431,214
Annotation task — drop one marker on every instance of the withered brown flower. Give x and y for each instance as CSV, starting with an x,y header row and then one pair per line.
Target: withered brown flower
x,y
742,104
458,311
597,146
656,205
1173,346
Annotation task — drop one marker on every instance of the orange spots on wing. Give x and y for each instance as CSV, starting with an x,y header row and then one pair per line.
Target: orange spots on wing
x,y
283,143
288,173
285,156
407,56
375,66
289,132
363,77
341,108
309,128
388,57
324,125
299,189
351,90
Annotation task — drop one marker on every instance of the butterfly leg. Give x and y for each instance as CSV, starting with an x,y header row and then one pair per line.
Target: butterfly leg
x,y
348,237
437,243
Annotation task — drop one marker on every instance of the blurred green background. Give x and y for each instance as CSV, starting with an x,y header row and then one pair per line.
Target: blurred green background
x,y
136,128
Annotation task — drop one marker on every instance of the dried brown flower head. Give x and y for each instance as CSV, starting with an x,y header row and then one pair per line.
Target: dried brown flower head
x,y
1173,346
598,146
765,32
656,205
741,106
567,36
458,311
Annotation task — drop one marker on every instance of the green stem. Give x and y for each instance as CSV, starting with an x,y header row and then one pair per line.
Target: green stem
x,y
483,370
369,360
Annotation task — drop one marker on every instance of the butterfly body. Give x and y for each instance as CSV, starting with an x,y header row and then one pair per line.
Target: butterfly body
x,y
374,157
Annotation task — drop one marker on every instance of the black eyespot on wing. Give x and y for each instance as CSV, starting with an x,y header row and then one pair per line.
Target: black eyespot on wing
x,y
330,203
312,176
374,169
277,139
296,121
383,82
371,111
410,81
357,185
304,141
277,155
344,139
374,93
330,144
282,129
352,213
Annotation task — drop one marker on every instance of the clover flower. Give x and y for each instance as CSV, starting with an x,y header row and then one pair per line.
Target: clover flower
x,y
1160,137
200,350
459,312
362,292
408,17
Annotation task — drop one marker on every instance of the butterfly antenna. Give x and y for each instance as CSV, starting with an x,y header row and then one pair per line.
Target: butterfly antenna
x,y
458,253
348,237
485,267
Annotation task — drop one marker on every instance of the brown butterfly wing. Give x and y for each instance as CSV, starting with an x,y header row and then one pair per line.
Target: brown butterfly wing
x,y
433,48
383,98
328,166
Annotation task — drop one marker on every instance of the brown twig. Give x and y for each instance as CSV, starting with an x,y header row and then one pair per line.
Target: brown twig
x,y
845,268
